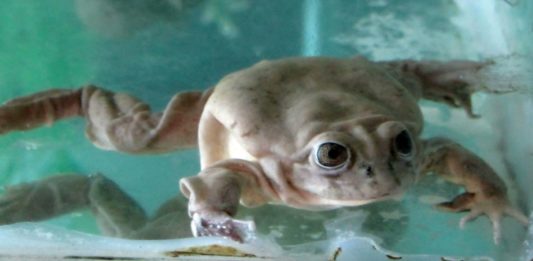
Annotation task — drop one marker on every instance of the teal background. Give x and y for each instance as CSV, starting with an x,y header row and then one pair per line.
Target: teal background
x,y
142,48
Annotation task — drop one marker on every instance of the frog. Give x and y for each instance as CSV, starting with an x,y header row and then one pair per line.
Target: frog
x,y
313,133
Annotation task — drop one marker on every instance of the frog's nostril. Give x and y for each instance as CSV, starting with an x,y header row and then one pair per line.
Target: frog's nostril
x,y
369,171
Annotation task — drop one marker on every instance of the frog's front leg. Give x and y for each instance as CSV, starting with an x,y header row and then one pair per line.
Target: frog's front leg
x,y
485,193
214,197
452,82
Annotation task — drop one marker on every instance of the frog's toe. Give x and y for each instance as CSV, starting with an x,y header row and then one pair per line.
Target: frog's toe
x,y
460,203
496,227
471,216
513,212
495,216
222,226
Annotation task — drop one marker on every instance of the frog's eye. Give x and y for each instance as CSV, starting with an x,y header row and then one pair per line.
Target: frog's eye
x,y
331,155
403,145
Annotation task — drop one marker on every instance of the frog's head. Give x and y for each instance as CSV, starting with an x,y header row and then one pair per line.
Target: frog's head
x,y
356,163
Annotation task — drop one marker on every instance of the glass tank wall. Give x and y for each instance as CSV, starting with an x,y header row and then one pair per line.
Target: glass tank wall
x,y
155,49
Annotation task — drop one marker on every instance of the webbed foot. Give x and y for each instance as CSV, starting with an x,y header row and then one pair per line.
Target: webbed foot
x,y
486,193
495,208
210,224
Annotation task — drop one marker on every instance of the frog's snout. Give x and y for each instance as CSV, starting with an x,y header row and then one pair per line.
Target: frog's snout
x,y
381,182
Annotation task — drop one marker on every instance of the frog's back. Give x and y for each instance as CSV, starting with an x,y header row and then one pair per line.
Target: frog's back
x,y
272,101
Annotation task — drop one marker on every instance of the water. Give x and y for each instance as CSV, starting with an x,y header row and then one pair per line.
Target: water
x,y
155,50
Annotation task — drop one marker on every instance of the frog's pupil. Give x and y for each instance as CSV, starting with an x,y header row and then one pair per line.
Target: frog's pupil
x,y
335,152
403,143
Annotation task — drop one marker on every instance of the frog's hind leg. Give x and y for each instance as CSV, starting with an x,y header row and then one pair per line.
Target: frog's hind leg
x,y
115,121
117,213
39,109
485,193
43,199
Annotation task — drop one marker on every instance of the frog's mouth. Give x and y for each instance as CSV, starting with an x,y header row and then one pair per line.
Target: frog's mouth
x,y
396,195
325,203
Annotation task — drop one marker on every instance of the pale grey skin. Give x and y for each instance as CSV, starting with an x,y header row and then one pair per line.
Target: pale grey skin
x,y
311,133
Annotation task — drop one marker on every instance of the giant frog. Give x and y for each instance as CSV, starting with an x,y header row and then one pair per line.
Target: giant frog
x,y
311,133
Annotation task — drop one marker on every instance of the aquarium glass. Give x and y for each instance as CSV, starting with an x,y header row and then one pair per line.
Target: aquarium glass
x,y
155,49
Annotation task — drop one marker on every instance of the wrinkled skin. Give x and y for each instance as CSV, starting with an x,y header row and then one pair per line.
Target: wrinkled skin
x,y
311,133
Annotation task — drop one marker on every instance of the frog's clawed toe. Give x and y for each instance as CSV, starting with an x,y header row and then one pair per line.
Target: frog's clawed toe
x,y
223,226
495,216
494,208
513,212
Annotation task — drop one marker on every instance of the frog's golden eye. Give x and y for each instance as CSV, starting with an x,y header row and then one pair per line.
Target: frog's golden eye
x,y
331,155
